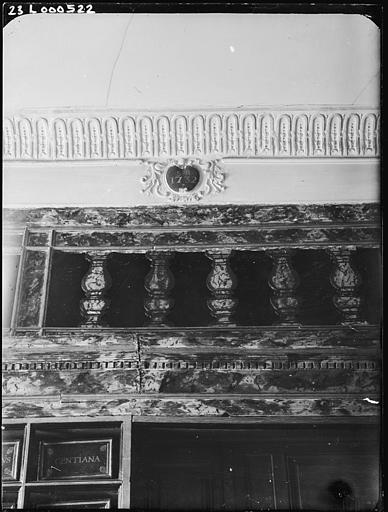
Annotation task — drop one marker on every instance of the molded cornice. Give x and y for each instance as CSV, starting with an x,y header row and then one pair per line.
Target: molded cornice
x,y
314,132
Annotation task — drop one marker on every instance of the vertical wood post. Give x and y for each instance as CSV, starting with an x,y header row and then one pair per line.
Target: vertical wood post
x,y
158,283
95,284
125,463
283,282
221,282
345,280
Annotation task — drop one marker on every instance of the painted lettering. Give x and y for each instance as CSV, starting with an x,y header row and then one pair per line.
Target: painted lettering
x,y
77,460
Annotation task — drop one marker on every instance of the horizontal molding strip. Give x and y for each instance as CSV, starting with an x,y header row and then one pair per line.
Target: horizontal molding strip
x,y
165,217
226,420
165,363
310,132
305,406
71,397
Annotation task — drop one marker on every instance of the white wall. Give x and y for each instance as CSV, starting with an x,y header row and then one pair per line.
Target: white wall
x,y
118,184
163,61
190,61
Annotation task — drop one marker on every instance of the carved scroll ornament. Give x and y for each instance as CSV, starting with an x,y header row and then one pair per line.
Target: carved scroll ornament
x,y
185,180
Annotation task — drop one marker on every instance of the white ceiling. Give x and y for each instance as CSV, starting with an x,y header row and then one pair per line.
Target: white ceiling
x,y
173,61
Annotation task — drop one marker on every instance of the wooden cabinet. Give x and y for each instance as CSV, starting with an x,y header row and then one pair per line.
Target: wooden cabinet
x,y
261,468
192,466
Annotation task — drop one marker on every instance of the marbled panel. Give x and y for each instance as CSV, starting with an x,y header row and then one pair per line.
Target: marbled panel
x,y
32,292
225,215
195,406
37,239
273,237
88,344
83,342
264,381
54,382
263,338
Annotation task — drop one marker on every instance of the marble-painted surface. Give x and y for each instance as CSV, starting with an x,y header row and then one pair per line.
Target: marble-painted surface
x,y
260,381
31,295
261,237
54,382
38,239
234,361
264,338
194,406
20,382
169,216
87,341
102,342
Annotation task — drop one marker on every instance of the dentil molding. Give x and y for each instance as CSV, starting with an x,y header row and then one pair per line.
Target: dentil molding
x,y
320,132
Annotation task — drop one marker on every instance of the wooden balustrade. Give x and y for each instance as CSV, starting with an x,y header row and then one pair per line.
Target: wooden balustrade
x,y
345,280
222,282
95,284
158,284
283,282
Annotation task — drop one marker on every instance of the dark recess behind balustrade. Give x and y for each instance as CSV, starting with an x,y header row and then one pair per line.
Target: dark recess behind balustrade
x,y
65,292
190,293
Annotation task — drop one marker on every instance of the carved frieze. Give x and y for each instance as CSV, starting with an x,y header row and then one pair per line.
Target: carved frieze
x,y
370,134
112,139
77,139
336,146
129,136
9,140
95,138
301,136
61,140
43,139
247,134
318,135
284,142
26,139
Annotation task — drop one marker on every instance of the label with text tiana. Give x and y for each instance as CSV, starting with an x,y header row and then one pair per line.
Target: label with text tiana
x,y
75,459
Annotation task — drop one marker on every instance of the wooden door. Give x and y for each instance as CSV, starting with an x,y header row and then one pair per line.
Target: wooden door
x,y
257,469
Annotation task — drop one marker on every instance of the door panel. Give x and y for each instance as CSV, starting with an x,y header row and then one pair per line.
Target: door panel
x,y
222,468
334,482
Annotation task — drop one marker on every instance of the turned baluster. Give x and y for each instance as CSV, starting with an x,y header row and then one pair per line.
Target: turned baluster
x,y
158,283
221,282
345,280
283,282
95,284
